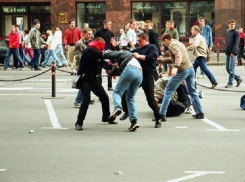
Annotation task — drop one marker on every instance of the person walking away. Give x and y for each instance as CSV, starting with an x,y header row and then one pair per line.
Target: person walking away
x,y
232,37
72,35
201,54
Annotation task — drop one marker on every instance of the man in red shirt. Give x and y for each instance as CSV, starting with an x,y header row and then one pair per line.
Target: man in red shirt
x,y
72,35
14,45
241,47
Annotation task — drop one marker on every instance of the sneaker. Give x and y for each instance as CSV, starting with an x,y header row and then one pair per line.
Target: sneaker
x,y
37,69
31,67
228,86
198,116
214,85
14,68
110,89
77,104
92,102
20,69
124,116
238,82
189,110
200,93
133,126
78,127
200,77
112,117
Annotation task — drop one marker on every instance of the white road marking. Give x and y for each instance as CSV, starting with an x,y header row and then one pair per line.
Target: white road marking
x,y
219,127
181,127
196,174
53,119
2,170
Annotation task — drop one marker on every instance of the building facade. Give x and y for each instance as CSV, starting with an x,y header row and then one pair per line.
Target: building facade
x,y
185,13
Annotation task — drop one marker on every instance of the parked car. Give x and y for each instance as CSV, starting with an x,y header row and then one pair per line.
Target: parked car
x,y
3,50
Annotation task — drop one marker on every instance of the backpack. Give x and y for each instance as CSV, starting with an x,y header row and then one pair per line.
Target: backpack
x,y
242,104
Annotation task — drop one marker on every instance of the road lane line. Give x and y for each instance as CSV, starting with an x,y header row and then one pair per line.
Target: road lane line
x,y
53,118
195,175
1,170
219,127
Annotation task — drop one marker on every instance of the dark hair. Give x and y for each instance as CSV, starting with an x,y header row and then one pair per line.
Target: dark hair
x,y
166,36
36,21
17,26
144,36
231,21
106,20
132,21
26,31
71,20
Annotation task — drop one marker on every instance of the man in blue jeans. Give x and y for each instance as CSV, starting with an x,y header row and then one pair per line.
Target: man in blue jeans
x,y
201,53
232,37
182,70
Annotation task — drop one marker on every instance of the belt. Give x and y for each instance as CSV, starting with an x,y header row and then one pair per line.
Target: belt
x,y
135,67
71,44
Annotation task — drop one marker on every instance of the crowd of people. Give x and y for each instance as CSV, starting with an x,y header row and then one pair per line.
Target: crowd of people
x,y
134,57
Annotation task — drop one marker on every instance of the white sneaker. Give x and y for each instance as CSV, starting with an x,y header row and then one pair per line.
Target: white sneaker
x,y
200,77
189,110
201,94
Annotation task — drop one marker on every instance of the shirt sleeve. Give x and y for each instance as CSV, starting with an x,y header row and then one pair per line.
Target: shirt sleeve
x,y
178,54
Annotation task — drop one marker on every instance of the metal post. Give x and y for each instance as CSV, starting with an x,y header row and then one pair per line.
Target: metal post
x,y
217,52
53,80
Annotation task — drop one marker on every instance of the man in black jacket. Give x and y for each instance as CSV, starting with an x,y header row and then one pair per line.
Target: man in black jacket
x,y
91,59
232,37
107,35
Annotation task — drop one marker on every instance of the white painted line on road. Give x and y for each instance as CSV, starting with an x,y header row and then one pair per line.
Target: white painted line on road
x,y
181,127
1,170
219,127
53,119
195,175
51,128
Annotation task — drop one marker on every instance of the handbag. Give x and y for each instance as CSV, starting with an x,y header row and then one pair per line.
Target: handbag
x,y
76,81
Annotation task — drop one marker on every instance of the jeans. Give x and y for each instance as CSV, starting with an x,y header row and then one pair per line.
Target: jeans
x,y
16,53
79,98
201,72
230,68
200,61
174,82
21,53
35,60
130,80
59,51
51,54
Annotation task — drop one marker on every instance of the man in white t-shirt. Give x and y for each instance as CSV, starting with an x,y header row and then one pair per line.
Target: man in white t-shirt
x,y
131,34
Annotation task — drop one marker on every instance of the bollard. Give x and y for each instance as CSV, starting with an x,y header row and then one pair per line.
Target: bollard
x,y
217,52
53,80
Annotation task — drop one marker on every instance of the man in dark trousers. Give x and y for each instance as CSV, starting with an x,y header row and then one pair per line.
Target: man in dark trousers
x,y
107,35
91,59
153,39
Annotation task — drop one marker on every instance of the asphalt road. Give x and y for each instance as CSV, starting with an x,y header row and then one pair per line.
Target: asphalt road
x,y
183,149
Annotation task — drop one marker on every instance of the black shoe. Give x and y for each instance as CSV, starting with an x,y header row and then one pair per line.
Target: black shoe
x,y
124,116
134,125
214,85
91,101
110,89
72,73
37,69
79,127
158,124
112,117
238,82
198,116
60,66
163,117
154,119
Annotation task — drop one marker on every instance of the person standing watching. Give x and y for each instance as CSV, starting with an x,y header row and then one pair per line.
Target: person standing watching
x,y
108,36
36,40
206,32
72,35
131,34
14,45
201,53
173,31
232,37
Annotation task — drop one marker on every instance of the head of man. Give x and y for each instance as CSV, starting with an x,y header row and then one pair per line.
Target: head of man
x,y
240,29
85,25
201,21
37,25
167,24
121,31
98,43
232,24
133,23
195,30
72,23
12,29
171,24
142,25
148,25
107,24
17,27
87,33
166,39
143,39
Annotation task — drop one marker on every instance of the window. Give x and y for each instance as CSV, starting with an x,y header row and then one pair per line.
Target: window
x,y
142,11
174,11
91,13
40,9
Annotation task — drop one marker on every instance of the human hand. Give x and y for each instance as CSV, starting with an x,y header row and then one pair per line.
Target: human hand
x,y
174,71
